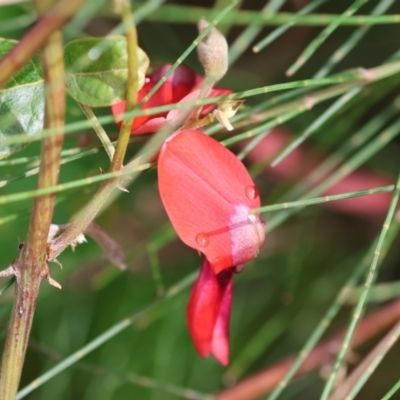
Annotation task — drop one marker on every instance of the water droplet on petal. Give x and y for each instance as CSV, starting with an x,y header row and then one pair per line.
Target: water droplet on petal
x,y
263,223
202,239
238,269
217,261
221,263
251,192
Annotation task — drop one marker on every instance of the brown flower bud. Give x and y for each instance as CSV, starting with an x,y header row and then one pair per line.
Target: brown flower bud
x,y
213,52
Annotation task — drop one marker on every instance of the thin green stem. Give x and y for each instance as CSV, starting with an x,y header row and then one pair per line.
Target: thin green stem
x,y
324,199
392,391
284,28
155,269
342,297
187,14
243,41
352,41
379,293
219,5
363,298
351,76
319,331
313,46
355,381
73,184
354,162
334,108
285,112
98,128
132,86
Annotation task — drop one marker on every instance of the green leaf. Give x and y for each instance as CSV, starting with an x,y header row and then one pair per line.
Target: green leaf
x,y
97,70
21,102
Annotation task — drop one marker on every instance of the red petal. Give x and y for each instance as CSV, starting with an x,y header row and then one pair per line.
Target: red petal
x,y
204,189
163,96
182,80
180,84
220,337
158,99
194,95
208,313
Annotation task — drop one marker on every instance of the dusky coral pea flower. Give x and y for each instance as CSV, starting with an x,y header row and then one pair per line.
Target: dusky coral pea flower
x,y
208,194
209,311
182,85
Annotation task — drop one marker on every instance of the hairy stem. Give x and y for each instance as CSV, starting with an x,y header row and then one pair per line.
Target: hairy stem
x,y
132,90
30,267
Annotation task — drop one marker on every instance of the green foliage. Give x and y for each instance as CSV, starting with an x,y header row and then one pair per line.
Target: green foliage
x,y
97,70
97,82
21,102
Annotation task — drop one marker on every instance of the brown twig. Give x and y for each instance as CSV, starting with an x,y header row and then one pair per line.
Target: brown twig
x,y
30,267
265,381
36,37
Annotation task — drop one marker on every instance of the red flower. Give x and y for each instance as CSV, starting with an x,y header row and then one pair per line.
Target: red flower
x,y
182,85
208,194
209,311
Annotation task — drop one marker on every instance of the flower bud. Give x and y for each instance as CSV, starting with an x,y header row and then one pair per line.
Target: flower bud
x,y
213,52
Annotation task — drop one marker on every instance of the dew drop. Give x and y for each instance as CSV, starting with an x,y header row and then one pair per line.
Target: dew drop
x,y
251,192
238,268
220,263
202,239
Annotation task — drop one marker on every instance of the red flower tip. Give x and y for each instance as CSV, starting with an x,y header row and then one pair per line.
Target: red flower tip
x,y
181,83
208,194
208,313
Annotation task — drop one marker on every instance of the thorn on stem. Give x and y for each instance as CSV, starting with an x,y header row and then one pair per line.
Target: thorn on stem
x,y
54,283
10,271
46,274
123,189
